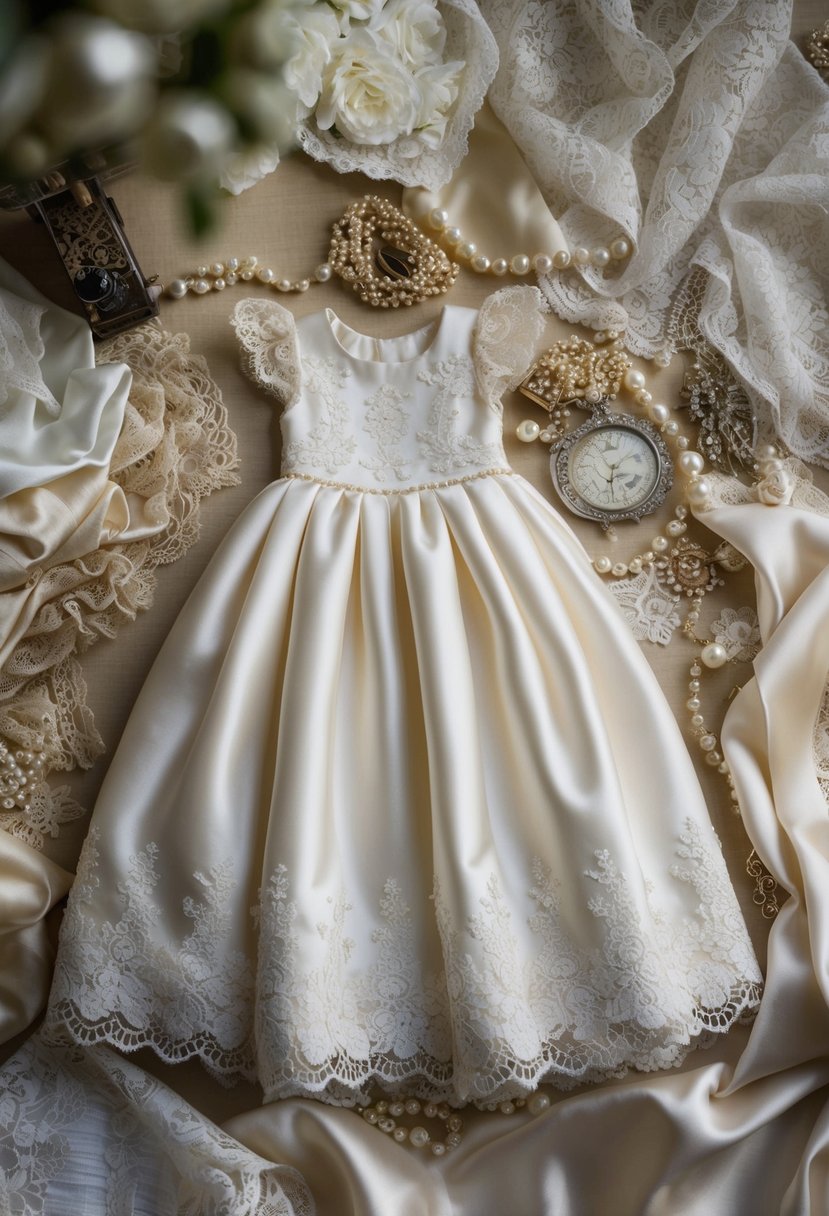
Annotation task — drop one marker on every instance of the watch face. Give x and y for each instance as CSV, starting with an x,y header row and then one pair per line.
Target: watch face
x,y
613,468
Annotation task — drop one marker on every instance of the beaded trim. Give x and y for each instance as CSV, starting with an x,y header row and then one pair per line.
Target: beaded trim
x,y
426,485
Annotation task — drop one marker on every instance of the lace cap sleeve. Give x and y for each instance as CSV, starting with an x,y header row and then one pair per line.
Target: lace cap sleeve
x,y
507,332
269,351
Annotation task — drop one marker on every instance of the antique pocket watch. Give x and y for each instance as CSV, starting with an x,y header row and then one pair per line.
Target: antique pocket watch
x,y
614,466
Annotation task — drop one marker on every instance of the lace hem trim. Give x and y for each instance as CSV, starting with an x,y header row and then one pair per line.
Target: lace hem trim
x,y
394,491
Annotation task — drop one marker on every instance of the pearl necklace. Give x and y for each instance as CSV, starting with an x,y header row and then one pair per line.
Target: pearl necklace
x,y
384,1115
523,263
407,269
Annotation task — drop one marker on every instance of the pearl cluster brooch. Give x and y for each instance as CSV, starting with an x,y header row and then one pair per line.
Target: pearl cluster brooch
x,y
380,253
523,263
20,772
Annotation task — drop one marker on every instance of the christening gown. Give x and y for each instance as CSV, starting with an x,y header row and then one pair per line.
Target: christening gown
x,y
401,805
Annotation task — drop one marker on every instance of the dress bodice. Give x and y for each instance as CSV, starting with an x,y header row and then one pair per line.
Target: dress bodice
x,y
392,414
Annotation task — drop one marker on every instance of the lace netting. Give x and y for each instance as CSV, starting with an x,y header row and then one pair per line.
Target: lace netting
x,y
175,448
695,130
21,352
507,332
268,347
468,39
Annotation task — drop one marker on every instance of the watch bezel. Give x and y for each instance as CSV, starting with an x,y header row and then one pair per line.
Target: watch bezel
x,y
560,469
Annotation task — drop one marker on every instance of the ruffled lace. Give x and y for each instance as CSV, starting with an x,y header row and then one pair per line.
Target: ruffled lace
x,y
175,448
467,38
269,351
509,327
491,1024
21,353
696,131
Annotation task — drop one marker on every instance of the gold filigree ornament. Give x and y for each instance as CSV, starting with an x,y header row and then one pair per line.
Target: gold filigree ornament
x,y
377,250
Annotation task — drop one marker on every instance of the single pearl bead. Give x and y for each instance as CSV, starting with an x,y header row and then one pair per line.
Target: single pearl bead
x,y
600,256
201,271
453,236
698,492
620,248
303,284
592,395
217,269
231,279
252,262
697,720
412,1106
581,256
708,743
201,286
177,289
542,263
713,758
634,380
767,451
507,1108
467,250
438,1149
682,442
438,219
694,704
264,274
247,275
400,1135
714,655
676,528
659,543
619,570
691,463
671,428
520,264
561,259
233,264
480,263
528,430
500,266
419,1137
662,358
219,284
454,1123
603,564
538,1103
284,285
635,565
642,397
323,272
659,413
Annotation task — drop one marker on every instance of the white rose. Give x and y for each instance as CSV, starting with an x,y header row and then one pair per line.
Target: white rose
x,y
367,93
438,91
356,10
414,30
313,34
247,168
775,489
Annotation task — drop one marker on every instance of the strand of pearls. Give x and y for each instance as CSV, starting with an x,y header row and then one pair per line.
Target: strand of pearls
x,y
219,275
523,263
20,773
384,1115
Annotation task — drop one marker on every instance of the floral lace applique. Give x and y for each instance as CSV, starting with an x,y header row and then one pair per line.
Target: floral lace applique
x,y
448,451
386,422
267,337
738,631
648,608
329,444
507,331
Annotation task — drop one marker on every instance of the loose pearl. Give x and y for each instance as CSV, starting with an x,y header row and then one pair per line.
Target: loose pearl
x,y
581,256
419,1137
438,219
500,266
542,263
467,250
480,263
538,1103
561,259
659,413
602,564
264,274
714,655
620,248
600,256
219,284
520,264
708,743
698,492
177,289
201,286
528,430
634,380
659,543
691,463
323,272
452,236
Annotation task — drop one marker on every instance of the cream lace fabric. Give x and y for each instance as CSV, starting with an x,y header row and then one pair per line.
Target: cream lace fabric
x,y
467,38
698,131
174,448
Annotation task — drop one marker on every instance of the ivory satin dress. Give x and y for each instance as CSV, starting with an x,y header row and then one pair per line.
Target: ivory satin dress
x,y
401,805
